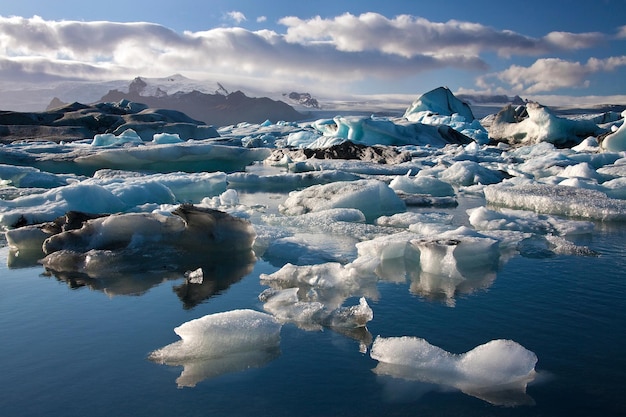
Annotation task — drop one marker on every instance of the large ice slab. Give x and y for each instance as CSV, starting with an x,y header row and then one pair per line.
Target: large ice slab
x,y
111,191
557,199
497,371
221,343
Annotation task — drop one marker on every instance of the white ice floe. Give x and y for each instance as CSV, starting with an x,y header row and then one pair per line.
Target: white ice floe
x,y
111,192
312,297
482,218
470,173
372,197
498,371
421,185
221,343
557,199
29,177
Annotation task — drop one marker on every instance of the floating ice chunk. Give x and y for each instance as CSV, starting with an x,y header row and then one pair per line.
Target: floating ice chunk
x,y
372,197
191,228
129,136
441,107
286,306
229,198
616,141
221,343
406,219
497,371
422,185
582,170
457,253
525,221
469,173
47,206
541,125
29,177
302,139
616,169
192,156
140,241
589,144
331,281
287,181
615,188
376,131
164,138
560,200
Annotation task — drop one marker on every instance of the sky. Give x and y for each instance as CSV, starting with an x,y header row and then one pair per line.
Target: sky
x,y
547,48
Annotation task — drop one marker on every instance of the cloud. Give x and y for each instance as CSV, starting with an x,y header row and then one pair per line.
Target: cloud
x,y
154,50
237,17
549,74
409,36
343,49
261,19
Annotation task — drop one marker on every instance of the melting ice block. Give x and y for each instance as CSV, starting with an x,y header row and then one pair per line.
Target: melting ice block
x,y
499,366
220,343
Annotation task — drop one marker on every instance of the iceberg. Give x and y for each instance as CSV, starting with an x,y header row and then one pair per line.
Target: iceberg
x,y
221,343
616,141
497,372
440,101
439,107
380,131
540,125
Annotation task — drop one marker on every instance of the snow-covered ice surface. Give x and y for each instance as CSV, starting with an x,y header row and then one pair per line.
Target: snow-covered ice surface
x,y
330,232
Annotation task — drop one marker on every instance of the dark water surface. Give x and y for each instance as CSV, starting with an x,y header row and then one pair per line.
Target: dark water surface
x,y
83,352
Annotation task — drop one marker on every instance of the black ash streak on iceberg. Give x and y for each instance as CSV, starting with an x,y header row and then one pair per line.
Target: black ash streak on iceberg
x,y
355,207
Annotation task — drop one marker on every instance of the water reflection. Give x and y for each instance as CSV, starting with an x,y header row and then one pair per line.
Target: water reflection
x,y
403,384
496,372
197,370
135,275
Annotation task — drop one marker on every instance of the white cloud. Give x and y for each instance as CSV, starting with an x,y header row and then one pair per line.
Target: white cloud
x,y
236,16
549,74
154,50
409,36
261,19
343,49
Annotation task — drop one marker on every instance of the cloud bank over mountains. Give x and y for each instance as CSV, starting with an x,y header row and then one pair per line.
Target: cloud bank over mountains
x,y
321,51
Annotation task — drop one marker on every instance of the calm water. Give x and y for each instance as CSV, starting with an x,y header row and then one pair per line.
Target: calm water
x,y
83,352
